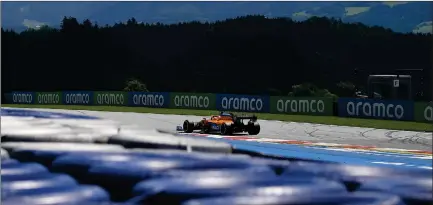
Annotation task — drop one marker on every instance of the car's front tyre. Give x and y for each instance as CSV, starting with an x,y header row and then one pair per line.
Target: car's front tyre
x,y
188,126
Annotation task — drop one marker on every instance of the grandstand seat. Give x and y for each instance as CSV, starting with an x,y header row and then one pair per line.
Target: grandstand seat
x,y
119,178
4,154
45,153
130,138
36,185
351,175
6,162
22,170
84,194
172,190
77,165
317,198
151,167
412,189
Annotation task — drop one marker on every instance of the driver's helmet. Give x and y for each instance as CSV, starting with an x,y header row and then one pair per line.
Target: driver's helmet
x,y
225,114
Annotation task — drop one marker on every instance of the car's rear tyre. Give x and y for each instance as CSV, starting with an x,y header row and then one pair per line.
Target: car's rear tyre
x,y
188,126
225,129
253,128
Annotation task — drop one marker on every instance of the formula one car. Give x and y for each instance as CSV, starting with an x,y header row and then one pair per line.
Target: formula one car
x,y
225,124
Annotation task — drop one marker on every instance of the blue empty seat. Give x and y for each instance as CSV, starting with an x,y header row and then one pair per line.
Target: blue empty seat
x,y
351,175
131,138
22,170
318,198
46,157
175,190
78,165
85,194
43,157
36,186
6,162
45,153
169,153
21,200
413,190
339,170
179,153
277,165
261,171
31,176
119,178
181,169
58,146
4,154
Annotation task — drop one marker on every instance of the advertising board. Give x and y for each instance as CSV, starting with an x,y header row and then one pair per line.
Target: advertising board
x,y
376,109
110,98
423,112
301,105
48,98
148,99
77,98
204,101
22,97
242,103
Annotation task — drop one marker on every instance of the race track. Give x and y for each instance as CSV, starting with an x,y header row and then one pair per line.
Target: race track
x,y
286,130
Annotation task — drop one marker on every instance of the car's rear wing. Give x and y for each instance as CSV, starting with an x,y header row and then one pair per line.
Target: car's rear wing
x,y
252,117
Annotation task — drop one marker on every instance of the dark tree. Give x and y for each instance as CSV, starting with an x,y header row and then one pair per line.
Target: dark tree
x,y
249,55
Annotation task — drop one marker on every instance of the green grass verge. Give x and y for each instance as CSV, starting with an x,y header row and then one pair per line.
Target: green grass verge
x,y
330,120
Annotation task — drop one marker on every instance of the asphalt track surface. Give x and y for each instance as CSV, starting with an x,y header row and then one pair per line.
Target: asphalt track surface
x,y
284,130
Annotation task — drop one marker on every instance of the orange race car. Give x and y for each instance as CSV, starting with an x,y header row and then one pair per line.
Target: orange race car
x,y
225,124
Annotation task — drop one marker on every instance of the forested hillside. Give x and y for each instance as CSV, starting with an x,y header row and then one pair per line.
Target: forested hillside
x,y
250,55
399,16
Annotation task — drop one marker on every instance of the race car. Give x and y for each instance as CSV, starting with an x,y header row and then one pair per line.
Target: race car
x,y
224,124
